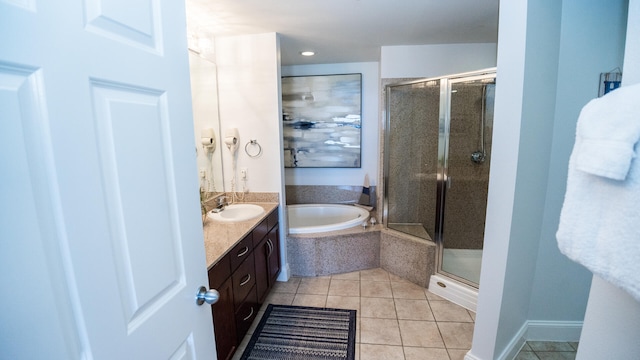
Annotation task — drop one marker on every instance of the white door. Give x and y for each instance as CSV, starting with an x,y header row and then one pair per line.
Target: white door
x,y
101,246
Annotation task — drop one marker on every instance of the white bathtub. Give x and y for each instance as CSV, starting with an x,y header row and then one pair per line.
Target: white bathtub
x,y
317,218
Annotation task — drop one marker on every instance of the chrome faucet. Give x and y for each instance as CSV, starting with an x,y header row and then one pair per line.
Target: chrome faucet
x,y
221,203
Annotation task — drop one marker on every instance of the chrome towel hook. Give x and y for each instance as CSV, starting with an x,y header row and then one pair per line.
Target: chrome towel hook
x,y
253,143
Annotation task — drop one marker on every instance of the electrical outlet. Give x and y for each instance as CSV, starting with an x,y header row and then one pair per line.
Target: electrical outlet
x,y
243,174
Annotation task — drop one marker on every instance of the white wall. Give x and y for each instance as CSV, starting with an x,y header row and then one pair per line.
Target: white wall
x,y
502,179
550,55
535,138
435,60
588,47
632,46
250,100
370,151
249,97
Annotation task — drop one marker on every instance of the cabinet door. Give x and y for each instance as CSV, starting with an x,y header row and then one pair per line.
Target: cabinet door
x,y
219,272
262,272
273,255
224,322
260,231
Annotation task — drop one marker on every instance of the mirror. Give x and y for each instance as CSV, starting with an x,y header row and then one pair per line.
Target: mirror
x,y
204,93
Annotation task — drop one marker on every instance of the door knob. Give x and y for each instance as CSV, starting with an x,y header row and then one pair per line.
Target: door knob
x,y
207,296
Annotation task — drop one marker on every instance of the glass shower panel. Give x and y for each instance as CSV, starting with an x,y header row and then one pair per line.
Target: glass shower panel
x,y
411,164
467,172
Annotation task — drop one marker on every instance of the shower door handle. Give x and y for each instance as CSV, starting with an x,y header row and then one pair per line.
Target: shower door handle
x,y
448,182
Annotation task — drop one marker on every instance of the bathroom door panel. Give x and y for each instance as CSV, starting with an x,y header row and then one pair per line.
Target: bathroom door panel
x,y
99,147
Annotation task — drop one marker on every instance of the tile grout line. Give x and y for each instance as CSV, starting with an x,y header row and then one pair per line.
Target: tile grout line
x,y
437,325
393,297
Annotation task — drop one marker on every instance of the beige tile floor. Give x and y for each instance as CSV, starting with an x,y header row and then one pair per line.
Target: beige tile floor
x,y
396,319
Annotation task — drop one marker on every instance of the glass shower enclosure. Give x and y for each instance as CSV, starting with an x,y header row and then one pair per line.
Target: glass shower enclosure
x,y
436,165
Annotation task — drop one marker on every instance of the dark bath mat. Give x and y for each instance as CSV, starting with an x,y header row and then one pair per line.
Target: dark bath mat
x,y
303,333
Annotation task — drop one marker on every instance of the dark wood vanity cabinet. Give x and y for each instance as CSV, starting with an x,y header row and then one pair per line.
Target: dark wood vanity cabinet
x,y
244,277
223,310
224,323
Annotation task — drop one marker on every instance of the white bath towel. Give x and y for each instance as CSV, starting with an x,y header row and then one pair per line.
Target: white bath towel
x,y
600,218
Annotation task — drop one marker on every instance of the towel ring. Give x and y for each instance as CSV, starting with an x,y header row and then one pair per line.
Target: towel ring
x,y
253,143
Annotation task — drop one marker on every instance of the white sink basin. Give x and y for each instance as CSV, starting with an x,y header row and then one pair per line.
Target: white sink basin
x,y
237,212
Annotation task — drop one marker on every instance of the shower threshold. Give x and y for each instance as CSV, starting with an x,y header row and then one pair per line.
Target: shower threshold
x,y
454,291
462,264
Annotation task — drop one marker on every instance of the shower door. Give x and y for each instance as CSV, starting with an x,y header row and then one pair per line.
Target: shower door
x,y
465,142
411,140
436,166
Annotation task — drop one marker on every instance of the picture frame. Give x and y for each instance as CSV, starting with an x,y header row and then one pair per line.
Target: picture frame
x,y
322,125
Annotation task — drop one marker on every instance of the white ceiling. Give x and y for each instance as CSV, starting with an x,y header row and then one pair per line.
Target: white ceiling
x,y
344,30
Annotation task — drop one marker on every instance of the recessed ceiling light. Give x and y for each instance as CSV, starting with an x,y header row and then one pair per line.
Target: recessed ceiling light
x,y
307,53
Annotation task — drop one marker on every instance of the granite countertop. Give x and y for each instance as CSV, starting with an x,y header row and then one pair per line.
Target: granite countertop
x,y
220,237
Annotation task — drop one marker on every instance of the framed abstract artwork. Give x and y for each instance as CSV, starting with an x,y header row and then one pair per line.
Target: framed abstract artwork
x,y
321,121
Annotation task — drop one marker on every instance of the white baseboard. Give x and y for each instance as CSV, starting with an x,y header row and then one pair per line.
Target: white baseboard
x,y
536,330
515,345
470,356
285,273
553,330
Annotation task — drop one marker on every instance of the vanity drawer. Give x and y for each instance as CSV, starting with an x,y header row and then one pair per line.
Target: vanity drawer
x,y
241,251
246,313
243,280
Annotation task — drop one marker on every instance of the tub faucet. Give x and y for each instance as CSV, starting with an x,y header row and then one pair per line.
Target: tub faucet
x,y
221,203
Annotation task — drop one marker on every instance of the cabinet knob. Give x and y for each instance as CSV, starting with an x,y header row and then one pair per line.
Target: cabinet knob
x,y
207,296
